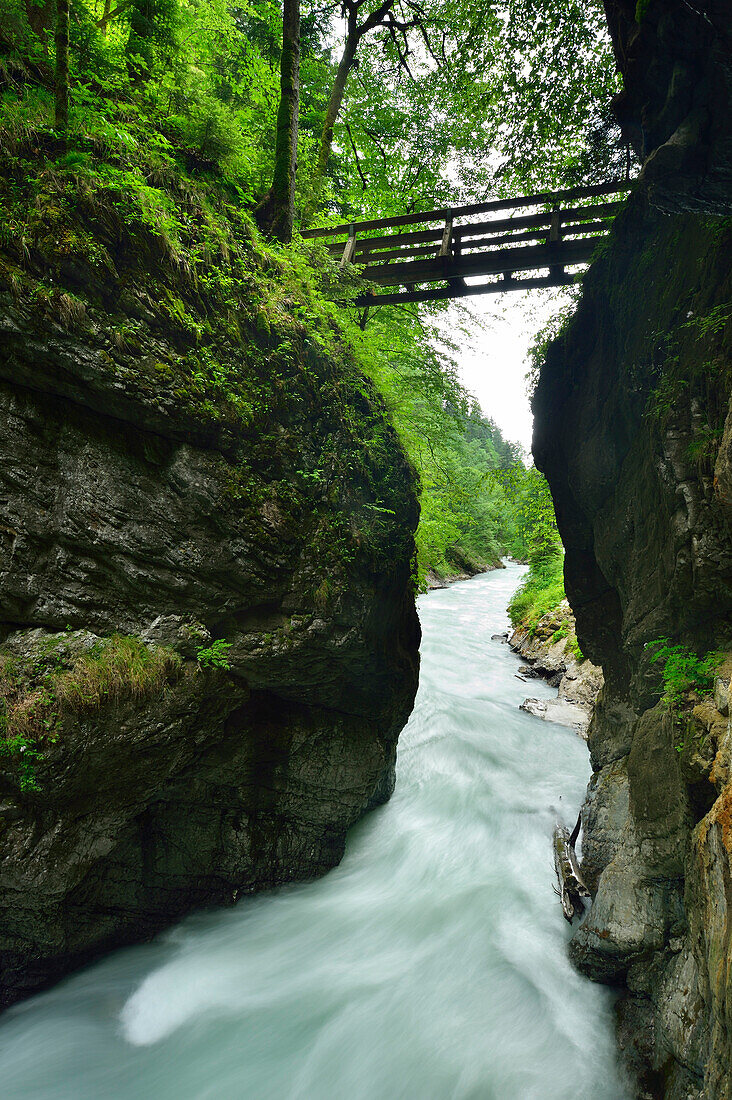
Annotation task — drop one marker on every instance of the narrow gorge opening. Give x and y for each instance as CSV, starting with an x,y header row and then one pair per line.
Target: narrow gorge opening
x,y
258,420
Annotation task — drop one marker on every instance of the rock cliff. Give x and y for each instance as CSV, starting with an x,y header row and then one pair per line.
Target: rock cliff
x,y
675,58
632,429
208,640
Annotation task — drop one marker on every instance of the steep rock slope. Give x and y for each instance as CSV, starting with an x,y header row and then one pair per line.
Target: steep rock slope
x,y
675,57
208,640
632,427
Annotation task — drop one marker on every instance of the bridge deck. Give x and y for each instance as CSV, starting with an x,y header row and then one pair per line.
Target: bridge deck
x,y
466,244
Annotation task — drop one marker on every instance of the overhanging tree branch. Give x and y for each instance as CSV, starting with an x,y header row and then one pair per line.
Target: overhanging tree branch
x,y
355,154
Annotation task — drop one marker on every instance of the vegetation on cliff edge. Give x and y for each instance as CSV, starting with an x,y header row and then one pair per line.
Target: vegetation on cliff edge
x,y
163,147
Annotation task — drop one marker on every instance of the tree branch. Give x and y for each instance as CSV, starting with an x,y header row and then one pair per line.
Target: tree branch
x,y
355,153
110,15
378,146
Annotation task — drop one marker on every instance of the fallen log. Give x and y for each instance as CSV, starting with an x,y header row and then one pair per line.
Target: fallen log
x,y
572,889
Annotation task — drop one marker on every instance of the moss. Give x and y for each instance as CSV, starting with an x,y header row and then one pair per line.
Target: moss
x,y
199,321
687,360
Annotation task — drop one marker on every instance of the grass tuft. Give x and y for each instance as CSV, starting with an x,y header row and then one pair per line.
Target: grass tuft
x,y
123,669
37,692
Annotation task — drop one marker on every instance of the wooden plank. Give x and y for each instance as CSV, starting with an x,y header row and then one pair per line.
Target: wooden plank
x,y
461,232
481,263
365,255
421,237
534,235
540,198
350,250
444,293
601,210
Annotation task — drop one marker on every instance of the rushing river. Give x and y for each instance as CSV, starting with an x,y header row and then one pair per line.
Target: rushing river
x,y
430,965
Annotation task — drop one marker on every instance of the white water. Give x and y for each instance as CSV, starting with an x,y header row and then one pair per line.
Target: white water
x,y
430,965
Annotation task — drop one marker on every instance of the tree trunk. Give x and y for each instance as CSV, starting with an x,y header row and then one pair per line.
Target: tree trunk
x,y
40,20
333,110
61,123
354,34
275,214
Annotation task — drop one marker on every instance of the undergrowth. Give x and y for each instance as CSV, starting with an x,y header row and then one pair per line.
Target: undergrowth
x,y
541,591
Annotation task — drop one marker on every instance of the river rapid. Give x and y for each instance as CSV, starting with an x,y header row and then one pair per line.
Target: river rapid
x,y
431,965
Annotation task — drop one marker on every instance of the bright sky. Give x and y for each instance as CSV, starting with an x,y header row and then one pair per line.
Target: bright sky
x,y
493,354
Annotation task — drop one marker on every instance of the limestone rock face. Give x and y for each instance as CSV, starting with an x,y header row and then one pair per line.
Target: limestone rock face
x,y
631,412
676,103
278,525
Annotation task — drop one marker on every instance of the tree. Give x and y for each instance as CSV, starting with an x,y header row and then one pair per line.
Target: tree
x,y
61,82
450,101
397,18
355,31
276,212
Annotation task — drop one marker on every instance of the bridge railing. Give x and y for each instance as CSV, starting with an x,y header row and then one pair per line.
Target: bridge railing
x,y
464,230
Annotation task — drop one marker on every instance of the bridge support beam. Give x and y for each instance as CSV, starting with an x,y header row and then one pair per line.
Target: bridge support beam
x,y
441,293
350,250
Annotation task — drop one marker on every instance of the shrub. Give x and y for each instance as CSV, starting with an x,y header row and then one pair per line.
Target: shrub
x,y
683,670
215,655
36,691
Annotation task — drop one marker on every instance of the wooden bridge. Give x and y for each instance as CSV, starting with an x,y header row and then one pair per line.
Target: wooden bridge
x,y
454,245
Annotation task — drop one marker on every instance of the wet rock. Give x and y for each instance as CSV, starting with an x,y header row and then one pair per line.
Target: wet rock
x,y
604,819
675,104
549,650
558,711
721,696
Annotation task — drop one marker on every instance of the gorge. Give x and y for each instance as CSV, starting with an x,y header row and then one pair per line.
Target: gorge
x,y
222,487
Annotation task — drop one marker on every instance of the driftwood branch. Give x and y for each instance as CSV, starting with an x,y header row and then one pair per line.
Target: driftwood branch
x,y
572,889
